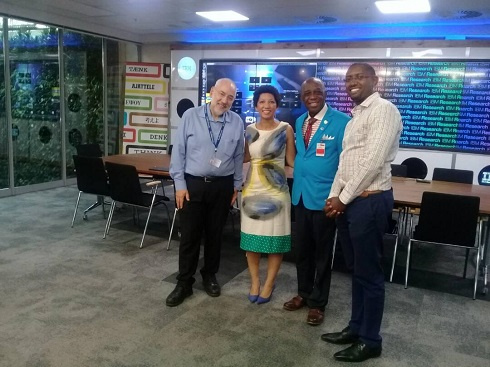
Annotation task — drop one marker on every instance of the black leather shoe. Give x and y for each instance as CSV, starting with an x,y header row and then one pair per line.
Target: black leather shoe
x,y
344,337
178,295
211,286
357,352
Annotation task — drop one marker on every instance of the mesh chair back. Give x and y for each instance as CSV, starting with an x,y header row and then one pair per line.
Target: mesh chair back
x,y
453,175
89,150
91,175
447,218
125,184
416,167
399,170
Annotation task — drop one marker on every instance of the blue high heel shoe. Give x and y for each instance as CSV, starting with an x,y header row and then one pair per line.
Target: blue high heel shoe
x,y
261,300
253,297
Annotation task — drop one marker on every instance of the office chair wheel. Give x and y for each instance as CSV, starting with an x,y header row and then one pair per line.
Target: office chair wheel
x,y
85,217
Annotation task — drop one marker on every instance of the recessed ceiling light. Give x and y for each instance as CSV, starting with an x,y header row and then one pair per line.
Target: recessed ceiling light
x,y
222,16
403,6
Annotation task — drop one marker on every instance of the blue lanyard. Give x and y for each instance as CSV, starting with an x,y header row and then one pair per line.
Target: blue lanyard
x,y
211,132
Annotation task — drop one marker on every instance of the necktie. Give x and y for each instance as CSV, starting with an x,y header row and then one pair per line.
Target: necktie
x,y
309,128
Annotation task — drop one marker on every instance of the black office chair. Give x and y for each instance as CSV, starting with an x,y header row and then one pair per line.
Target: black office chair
x,y
91,179
416,167
448,220
453,175
89,150
394,230
125,188
397,230
399,170
167,182
176,210
396,225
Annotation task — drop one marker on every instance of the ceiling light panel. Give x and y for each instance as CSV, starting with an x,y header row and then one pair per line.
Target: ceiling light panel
x,y
403,6
222,16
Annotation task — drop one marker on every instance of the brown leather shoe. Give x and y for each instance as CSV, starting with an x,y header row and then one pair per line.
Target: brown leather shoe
x,y
315,317
295,303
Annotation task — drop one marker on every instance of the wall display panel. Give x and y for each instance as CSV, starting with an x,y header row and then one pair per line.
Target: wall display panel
x,y
444,104
286,77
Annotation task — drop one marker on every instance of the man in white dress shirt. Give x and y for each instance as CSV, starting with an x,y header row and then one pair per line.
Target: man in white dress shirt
x,y
362,200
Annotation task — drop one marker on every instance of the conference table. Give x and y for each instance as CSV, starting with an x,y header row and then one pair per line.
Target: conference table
x,y
407,191
154,164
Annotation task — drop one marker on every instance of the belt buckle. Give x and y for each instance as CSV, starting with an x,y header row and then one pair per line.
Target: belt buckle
x,y
207,179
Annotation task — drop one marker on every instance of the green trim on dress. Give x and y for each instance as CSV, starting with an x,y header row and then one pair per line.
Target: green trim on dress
x,y
265,244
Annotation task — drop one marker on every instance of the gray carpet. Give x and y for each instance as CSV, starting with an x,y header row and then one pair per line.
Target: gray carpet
x,y
70,298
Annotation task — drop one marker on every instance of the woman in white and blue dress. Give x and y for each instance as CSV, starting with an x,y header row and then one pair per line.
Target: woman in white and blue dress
x,y
266,204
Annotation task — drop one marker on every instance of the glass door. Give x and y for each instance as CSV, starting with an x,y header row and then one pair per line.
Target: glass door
x,y
35,102
83,83
4,136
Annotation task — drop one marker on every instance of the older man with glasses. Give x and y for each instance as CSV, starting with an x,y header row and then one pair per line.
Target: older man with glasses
x,y
206,166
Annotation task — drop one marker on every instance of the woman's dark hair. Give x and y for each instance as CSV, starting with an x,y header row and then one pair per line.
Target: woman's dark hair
x,y
267,89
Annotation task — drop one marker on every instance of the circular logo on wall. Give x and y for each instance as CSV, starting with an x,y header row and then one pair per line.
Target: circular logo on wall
x,y
484,176
186,68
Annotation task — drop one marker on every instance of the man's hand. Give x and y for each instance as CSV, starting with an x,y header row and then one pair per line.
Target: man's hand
x,y
233,198
180,196
334,207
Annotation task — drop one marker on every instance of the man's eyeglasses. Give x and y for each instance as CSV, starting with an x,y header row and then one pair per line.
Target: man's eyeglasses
x,y
357,77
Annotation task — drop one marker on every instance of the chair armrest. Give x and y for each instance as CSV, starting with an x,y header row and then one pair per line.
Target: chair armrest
x,y
153,183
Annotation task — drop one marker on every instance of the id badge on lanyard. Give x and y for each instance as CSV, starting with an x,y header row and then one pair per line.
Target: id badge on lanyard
x,y
215,162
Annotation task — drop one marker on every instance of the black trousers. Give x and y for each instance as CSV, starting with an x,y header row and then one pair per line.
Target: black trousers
x,y
315,237
361,229
204,214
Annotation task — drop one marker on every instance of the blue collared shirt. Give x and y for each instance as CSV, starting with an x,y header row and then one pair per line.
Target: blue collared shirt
x,y
193,149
